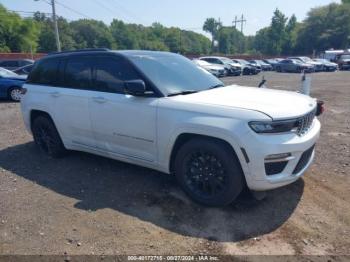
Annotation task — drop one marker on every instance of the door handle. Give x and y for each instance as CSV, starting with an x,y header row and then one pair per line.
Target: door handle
x,y
100,100
55,94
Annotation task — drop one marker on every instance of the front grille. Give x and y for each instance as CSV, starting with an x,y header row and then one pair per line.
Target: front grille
x,y
304,159
305,122
275,168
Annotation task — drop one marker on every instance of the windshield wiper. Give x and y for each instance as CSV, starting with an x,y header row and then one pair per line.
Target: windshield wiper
x,y
216,86
186,92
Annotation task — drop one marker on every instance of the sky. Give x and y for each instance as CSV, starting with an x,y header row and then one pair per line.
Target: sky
x,y
186,14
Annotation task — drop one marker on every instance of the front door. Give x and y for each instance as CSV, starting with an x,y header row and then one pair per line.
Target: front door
x,y
124,126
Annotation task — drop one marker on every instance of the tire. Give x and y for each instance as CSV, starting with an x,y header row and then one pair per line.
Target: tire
x,y
14,94
209,172
278,69
46,137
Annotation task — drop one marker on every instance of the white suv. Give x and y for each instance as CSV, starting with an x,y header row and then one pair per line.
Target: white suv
x,y
159,110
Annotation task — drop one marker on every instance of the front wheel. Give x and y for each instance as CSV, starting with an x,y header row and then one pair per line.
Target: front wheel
x,y
15,94
209,172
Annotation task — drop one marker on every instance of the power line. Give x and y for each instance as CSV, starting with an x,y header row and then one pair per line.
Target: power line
x,y
109,9
130,14
28,12
72,10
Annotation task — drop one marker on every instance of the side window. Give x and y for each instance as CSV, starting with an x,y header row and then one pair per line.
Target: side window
x,y
9,63
78,73
111,74
44,73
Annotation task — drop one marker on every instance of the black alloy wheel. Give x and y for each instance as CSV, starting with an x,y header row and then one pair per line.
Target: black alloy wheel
x,y
209,172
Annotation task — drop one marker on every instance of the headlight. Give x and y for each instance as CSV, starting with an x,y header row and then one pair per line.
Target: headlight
x,y
274,126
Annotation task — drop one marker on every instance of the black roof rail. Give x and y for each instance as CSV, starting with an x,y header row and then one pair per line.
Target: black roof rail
x,y
80,50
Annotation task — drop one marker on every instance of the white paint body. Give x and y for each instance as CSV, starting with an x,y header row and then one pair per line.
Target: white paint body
x,y
143,130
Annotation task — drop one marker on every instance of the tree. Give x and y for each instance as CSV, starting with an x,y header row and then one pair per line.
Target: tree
x,y
212,26
324,28
88,33
17,34
291,36
277,33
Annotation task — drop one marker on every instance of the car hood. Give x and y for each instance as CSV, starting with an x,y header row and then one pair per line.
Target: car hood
x,y
235,64
214,67
277,104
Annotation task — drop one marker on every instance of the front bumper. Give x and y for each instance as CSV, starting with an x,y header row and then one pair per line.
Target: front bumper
x,y
261,146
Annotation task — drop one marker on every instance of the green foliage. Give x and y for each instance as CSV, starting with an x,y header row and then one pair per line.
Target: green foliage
x,y
17,34
325,27
213,27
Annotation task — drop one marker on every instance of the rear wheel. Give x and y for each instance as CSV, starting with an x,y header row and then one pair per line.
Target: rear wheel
x,y
47,138
209,172
15,94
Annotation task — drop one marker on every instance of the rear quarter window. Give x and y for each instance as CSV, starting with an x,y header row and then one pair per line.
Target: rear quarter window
x,y
44,73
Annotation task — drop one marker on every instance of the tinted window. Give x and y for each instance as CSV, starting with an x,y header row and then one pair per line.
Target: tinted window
x,y
78,73
111,74
44,73
9,63
24,63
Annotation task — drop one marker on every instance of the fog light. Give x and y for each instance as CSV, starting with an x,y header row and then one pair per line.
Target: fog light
x,y
278,157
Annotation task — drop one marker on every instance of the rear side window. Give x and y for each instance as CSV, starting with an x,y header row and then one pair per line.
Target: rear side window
x,y
44,73
9,63
111,74
78,73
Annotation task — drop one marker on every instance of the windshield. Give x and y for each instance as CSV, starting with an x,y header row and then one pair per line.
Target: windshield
x,y
173,73
6,73
226,60
296,61
242,62
306,59
201,62
345,57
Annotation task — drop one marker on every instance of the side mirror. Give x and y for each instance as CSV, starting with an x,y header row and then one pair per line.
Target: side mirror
x,y
135,87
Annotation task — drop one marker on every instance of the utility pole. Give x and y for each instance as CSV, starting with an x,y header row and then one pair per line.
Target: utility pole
x,y
54,18
242,21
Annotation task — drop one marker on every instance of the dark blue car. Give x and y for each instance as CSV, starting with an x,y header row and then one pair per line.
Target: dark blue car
x,y
10,84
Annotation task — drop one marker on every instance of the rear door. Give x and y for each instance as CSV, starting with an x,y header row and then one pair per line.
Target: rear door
x,y
72,101
124,125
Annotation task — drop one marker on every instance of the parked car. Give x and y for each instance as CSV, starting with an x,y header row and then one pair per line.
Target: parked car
x,y
159,110
294,66
247,68
216,70
264,66
307,60
24,70
10,84
232,68
327,65
13,64
272,62
343,61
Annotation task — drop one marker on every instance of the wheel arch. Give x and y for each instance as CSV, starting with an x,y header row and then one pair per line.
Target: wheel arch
x,y
34,113
183,138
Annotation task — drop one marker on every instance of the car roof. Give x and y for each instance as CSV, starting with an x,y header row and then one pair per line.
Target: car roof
x,y
217,57
105,50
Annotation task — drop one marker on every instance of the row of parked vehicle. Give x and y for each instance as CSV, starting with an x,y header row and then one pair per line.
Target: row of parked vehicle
x,y
223,66
13,73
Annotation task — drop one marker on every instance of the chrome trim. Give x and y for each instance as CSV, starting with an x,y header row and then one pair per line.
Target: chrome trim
x,y
283,159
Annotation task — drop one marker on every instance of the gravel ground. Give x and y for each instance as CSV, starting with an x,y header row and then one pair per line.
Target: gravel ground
x,y
84,204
